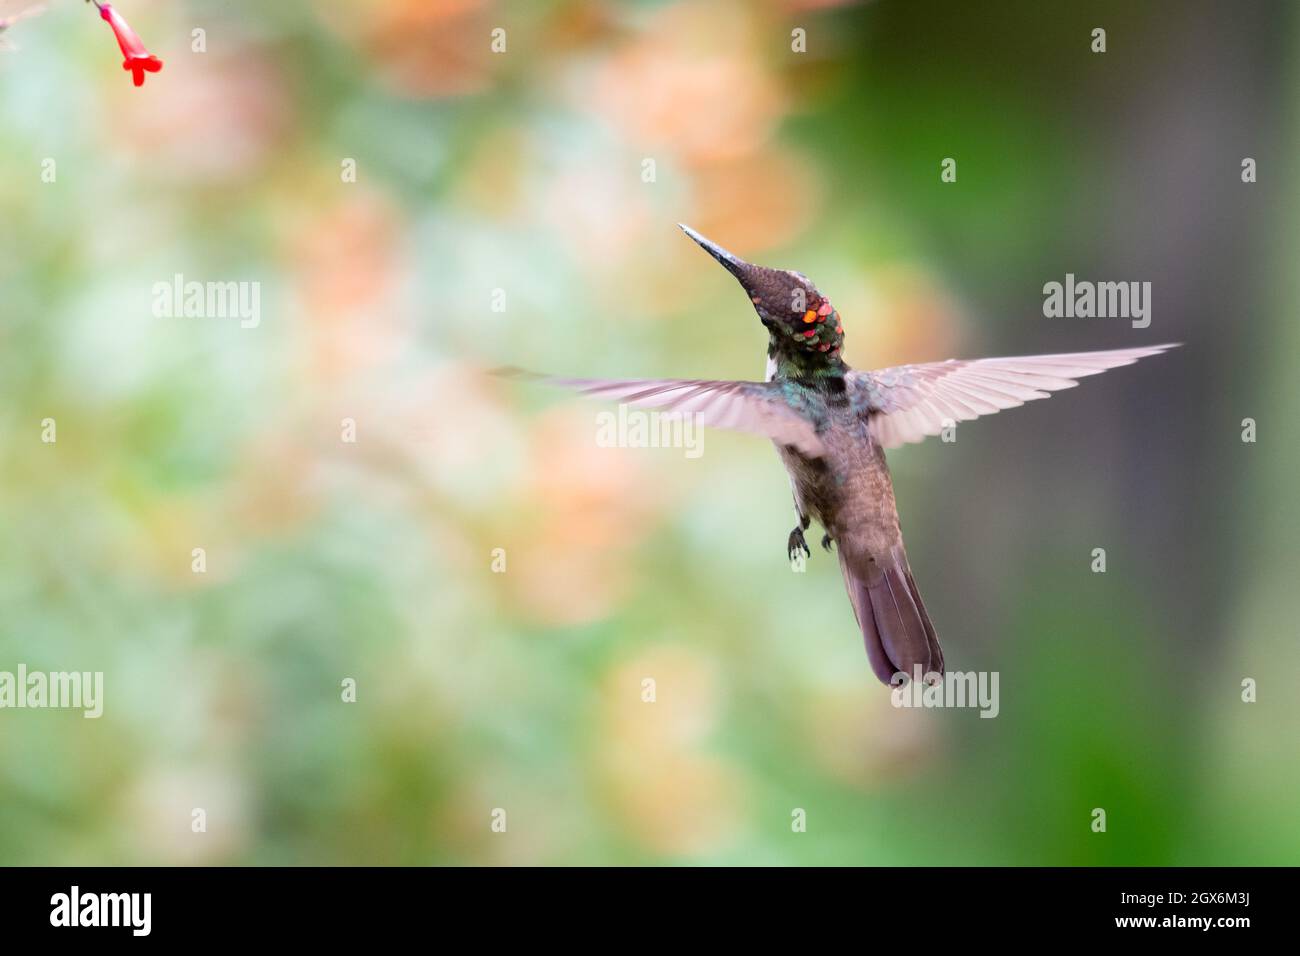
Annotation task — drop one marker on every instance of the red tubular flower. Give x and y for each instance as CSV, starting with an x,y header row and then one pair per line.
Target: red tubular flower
x,y
138,59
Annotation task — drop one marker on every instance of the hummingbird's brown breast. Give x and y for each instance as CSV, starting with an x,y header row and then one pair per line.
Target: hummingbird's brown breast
x,y
848,490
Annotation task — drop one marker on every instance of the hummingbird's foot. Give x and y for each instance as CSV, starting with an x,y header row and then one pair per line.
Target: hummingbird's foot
x,y
797,544
826,541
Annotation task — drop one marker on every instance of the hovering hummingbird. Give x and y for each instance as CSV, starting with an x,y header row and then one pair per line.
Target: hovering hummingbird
x,y
831,425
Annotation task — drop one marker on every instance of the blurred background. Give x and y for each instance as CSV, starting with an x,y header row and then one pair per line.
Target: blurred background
x,y
501,214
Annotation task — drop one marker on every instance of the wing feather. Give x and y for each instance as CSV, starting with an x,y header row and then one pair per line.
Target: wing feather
x,y
755,407
908,402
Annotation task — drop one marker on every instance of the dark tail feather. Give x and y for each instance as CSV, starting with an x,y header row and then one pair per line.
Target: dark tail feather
x,y
896,628
936,652
860,598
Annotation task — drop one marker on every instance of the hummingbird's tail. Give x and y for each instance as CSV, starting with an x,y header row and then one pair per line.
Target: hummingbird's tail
x,y
895,626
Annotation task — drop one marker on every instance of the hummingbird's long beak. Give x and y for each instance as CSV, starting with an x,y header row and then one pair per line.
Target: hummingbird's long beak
x,y
734,264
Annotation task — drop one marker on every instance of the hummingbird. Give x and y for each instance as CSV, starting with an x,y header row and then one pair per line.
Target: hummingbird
x,y
831,425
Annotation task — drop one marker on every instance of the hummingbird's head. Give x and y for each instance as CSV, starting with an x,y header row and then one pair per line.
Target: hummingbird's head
x,y
799,318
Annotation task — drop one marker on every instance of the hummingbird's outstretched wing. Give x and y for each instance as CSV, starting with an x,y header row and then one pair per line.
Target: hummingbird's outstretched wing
x,y
11,11
756,407
908,402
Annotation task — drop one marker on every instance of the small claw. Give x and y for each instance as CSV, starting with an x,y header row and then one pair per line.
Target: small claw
x,y
826,541
796,544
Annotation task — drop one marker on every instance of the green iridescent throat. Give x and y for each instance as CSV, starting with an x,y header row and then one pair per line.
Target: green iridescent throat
x,y
799,356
